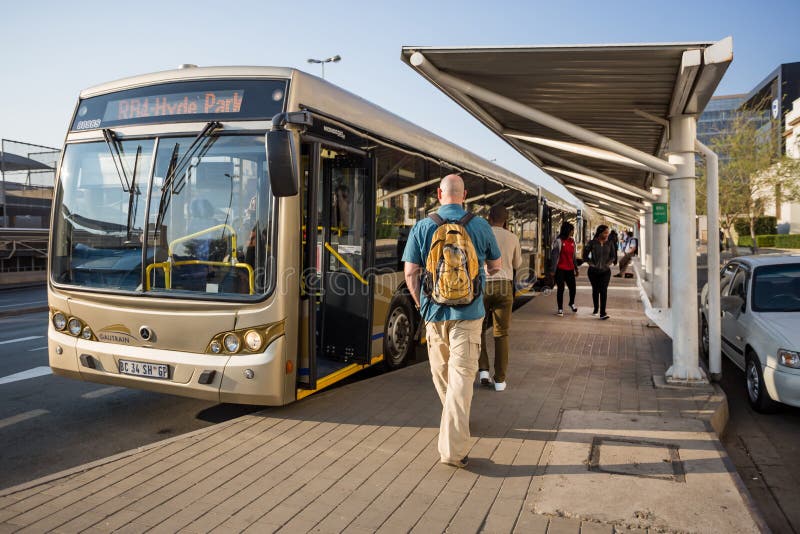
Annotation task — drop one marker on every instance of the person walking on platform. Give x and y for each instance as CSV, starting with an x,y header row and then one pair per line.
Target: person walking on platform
x,y
498,299
630,248
564,266
599,255
444,260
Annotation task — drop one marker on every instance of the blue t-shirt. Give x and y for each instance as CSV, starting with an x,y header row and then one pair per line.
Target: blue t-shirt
x,y
419,245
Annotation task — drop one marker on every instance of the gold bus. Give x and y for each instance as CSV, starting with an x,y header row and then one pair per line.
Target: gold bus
x,y
235,233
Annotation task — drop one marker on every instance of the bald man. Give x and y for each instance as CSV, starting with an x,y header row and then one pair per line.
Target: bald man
x,y
453,333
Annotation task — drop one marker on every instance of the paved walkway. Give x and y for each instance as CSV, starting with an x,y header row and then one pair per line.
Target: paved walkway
x,y
362,458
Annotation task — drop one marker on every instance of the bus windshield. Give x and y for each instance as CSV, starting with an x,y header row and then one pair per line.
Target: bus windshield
x,y
201,225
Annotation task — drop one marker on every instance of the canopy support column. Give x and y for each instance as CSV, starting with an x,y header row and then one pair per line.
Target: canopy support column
x,y
712,259
660,287
685,367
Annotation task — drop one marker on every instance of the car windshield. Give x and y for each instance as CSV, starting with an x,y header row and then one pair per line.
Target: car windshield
x,y
202,206
776,288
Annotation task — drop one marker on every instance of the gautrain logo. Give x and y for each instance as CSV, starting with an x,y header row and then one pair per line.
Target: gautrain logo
x,y
116,333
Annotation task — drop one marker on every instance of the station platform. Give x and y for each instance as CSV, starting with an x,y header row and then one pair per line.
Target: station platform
x,y
582,440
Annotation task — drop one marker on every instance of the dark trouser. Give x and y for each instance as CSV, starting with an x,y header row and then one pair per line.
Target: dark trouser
x,y
498,299
563,276
624,262
599,280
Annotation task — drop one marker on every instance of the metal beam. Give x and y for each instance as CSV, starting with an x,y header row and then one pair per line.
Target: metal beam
x,y
716,60
632,204
590,172
690,67
419,61
712,261
582,179
581,150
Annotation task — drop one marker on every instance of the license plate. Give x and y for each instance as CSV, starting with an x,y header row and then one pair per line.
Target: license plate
x,y
150,370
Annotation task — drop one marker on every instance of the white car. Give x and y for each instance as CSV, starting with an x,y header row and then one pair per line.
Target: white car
x,y
760,301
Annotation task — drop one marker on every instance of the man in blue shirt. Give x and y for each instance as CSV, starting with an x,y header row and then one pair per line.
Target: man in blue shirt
x,y
453,333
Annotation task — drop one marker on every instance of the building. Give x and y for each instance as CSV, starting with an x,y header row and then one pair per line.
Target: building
x,y
791,140
717,119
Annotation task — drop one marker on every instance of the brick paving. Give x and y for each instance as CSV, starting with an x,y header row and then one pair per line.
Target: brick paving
x,y
363,458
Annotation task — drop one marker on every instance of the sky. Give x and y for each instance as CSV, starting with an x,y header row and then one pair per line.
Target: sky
x,y
51,50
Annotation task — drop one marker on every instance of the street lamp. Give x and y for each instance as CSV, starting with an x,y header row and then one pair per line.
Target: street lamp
x,y
332,59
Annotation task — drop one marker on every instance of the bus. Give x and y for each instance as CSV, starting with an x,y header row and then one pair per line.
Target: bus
x,y
235,234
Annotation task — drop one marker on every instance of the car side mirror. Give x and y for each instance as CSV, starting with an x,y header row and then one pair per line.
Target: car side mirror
x,y
282,163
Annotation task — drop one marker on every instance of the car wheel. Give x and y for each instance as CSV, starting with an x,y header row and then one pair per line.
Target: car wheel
x,y
757,393
398,333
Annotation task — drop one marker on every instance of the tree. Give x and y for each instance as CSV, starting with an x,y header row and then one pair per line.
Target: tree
x,y
747,151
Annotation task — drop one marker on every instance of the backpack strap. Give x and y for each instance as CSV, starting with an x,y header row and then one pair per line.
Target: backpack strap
x,y
435,218
463,221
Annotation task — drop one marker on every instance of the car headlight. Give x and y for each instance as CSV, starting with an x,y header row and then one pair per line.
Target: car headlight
x,y
74,325
59,321
231,342
86,333
215,347
789,358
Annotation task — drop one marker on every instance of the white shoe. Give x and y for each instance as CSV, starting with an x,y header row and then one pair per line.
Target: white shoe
x,y
499,386
485,379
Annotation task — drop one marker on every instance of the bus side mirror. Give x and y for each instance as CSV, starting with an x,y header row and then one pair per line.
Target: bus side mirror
x,y
282,163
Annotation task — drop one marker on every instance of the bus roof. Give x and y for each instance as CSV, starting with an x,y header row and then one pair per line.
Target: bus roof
x,y
322,96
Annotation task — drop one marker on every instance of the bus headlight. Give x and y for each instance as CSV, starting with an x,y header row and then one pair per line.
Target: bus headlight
x,y
252,340
246,340
231,342
59,321
74,325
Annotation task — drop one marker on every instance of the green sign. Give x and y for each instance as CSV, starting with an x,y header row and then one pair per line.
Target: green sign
x,y
660,213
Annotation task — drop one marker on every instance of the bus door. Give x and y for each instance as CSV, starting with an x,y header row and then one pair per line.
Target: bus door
x,y
341,256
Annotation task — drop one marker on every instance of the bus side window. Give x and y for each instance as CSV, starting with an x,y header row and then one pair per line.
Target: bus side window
x,y
396,206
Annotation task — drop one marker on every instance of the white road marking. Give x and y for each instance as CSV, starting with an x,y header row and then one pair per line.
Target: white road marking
x,y
37,348
14,419
18,304
24,375
19,339
101,392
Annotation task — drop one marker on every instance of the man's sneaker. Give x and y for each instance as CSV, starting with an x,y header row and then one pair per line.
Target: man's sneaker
x,y
594,312
499,386
618,275
560,313
573,308
484,377
457,463
604,316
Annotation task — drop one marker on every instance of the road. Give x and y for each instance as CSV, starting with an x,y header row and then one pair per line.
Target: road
x,y
50,423
764,449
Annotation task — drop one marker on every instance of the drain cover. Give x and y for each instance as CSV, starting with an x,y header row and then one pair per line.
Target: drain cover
x,y
637,458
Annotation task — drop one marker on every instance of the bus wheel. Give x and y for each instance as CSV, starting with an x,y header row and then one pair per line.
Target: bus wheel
x,y
398,334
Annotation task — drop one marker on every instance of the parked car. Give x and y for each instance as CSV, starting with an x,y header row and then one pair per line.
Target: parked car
x,y
760,301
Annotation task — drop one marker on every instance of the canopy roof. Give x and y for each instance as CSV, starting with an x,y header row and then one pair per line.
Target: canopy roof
x,y
620,92
12,162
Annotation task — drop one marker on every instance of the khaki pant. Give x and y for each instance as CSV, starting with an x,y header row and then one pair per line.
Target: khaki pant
x,y
498,300
453,348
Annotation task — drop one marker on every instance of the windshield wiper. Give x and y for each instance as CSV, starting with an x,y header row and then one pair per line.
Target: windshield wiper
x,y
198,147
115,149
133,197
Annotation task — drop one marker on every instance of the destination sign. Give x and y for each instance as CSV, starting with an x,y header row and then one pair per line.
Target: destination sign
x,y
201,100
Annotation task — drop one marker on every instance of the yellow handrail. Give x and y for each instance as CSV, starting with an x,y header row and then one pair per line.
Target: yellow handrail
x,y
207,231
166,266
347,265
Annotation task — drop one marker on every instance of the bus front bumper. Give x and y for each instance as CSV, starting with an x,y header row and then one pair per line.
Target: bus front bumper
x,y
241,378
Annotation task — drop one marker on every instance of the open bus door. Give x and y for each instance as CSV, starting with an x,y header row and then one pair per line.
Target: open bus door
x,y
339,200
